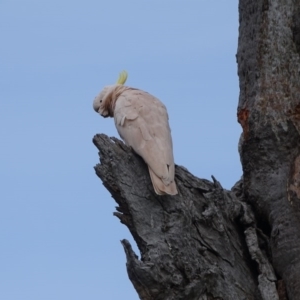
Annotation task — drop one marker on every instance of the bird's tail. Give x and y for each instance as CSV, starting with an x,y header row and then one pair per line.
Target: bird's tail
x,y
160,188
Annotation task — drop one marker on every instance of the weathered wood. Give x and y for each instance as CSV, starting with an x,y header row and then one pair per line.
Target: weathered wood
x,y
269,112
192,245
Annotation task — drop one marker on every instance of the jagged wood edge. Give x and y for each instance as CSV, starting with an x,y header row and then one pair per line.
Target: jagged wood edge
x,y
168,229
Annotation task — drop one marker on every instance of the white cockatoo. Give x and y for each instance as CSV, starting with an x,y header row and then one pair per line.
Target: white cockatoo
x,y
142,122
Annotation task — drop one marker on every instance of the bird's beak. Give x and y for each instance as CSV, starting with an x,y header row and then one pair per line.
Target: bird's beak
x,y
104,114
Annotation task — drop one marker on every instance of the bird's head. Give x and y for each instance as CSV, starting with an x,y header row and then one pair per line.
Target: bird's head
x,y
104,102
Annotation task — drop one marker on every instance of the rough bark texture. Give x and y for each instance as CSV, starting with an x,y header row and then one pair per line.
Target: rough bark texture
x,y
269,112
193,245
207,242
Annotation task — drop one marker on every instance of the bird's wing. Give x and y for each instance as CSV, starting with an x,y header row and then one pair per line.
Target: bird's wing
x,y
142,122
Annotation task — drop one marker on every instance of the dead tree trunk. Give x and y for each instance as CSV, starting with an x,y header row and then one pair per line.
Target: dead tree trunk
x,y
269,112
207,242
199,244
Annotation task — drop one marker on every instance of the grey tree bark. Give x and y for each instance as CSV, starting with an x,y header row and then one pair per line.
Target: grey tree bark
x,y
269,112
192,245
208,242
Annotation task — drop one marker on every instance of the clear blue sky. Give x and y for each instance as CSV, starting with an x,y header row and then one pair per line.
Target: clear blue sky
x,y
59,239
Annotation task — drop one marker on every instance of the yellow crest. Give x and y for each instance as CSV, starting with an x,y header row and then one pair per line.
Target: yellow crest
x,y
122,77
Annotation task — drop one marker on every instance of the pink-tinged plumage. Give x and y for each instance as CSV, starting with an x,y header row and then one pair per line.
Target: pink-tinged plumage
x,y
142,122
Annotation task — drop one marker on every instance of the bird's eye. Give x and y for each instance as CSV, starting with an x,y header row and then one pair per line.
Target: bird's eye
x,y
100,101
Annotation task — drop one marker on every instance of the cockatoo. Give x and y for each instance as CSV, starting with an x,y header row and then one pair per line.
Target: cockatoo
x,y
142,122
